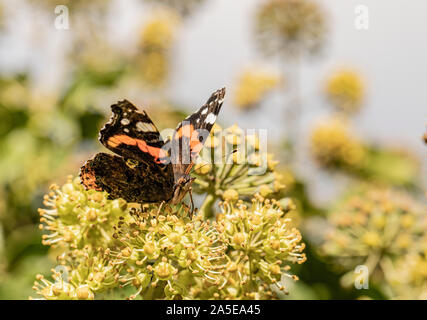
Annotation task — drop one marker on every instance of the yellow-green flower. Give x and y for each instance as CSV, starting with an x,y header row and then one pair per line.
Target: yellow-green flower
x,y
253,86
264,245
75,217
154,67
157,38
162,251
161,247
333,145
290,27
80,275
373,227
159,32
407,277
345,91
237,169
183,7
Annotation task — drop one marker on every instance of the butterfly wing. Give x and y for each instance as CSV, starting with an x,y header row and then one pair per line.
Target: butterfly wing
x,y
140,172
191,134
132,134
127,179
137,173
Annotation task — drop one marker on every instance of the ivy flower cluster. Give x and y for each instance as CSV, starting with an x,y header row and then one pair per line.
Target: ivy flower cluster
x,y
183,7
243,170
80,274
408,276
291,27
253,86
345,91
167,254
164,252
375,227
262,245
333,145
238,248
74,217
157,38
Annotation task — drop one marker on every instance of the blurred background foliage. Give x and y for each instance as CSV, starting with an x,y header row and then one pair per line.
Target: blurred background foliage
x,y
379,220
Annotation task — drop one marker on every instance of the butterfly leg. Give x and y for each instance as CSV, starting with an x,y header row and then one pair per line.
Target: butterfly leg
x,y
160,207
190,192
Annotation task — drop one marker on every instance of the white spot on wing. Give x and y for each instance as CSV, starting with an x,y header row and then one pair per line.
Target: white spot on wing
x,y
204,111
125,121
210,118
145,127
139,126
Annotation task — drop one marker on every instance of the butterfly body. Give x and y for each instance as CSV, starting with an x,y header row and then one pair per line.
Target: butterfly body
x,y
144,168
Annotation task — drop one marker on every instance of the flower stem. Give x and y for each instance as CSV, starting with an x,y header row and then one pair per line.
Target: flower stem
x,y
206,208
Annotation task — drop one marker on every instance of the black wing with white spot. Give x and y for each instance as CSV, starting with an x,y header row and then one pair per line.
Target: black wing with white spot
x,y
137,173
205,117
191,134
132,134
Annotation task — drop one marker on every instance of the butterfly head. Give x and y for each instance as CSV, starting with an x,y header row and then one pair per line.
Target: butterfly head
x,y
182,186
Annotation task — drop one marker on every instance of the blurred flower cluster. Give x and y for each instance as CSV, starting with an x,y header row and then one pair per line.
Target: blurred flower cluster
x,y
29,136
157,38
408,276
379,228
252,86
290,27
183,7
345,92
290,30
333,145
2,16
79,5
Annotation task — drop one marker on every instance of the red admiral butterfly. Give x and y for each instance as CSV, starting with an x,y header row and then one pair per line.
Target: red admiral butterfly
x,y
144,168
